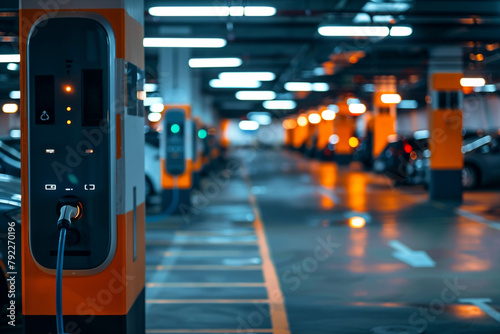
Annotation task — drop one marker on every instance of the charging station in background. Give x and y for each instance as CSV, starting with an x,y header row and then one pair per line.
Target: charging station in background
x,y
199,135
176,159
82,146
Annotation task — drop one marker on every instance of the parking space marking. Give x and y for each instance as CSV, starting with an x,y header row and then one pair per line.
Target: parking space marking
x,y
205,253
482,304
417,259
207,301
200,243
478,219
330,194
208,331
227,233
206,285
277,309
201,267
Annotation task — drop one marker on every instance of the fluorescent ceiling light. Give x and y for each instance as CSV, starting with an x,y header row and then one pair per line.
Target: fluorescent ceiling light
x,y
12,66
486,89
383,18
160,42
157,107
408,104
15,95
389,7
472,82
189,11
320,87
314,118
255,95
15,133
249,125
353,101
150,87
319,71
334,107
390,98
258,76
259,11
9,108
218,83
362,18
214,62
401,31
280,105
236,10
10,58
212,11
357,108
154,117
354,31
263,118
149,101
328,115
307,87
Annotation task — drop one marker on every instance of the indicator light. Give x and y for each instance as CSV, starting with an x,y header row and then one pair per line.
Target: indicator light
x,y
68,122
89,151
357,222
68,89
202,134
50,151
68,108
175,128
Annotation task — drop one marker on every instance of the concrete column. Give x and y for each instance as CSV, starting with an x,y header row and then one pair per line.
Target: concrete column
x,y
384,119
446,123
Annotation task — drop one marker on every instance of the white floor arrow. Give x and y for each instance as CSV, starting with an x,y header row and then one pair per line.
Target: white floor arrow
x,y
418,259
482,304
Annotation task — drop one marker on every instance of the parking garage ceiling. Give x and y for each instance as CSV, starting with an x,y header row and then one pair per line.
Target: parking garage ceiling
x,y
289,45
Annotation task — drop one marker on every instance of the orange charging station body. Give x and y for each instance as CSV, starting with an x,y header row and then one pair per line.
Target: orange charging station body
x,y
82,76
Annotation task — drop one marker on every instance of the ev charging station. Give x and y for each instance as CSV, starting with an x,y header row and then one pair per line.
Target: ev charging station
x,y
83,228
176,159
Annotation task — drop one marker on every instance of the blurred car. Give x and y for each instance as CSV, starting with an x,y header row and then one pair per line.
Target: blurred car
x,y
397,156
152,164
10,214
363,153
10,156
481,162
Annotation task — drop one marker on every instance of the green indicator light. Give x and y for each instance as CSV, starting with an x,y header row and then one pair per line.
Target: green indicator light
x,y
202,134
175,128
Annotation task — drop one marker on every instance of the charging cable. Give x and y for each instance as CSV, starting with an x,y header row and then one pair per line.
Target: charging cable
x,y
68,212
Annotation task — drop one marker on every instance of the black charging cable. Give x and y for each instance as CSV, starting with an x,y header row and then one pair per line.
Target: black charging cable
x,y
68,212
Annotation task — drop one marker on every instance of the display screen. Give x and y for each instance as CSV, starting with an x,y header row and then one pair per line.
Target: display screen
x,y
93,100
44,99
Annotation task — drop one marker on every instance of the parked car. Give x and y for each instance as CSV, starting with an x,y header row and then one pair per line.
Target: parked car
x,y
481,162
10,156
10,216
152,164
397,155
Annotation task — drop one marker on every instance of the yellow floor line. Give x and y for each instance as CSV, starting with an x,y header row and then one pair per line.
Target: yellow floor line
x,y
279,317
206,285
206,253
201,243
207,331
207,301
215,233
203,267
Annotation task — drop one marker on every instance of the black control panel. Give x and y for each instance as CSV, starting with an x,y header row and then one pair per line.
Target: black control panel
x,y
69,139
174,128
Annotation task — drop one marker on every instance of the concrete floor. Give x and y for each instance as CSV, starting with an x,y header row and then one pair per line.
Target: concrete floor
x,y
217,275
281,244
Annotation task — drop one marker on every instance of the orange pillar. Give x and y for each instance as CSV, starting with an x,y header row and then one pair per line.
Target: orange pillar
x,y
384,119
344,128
